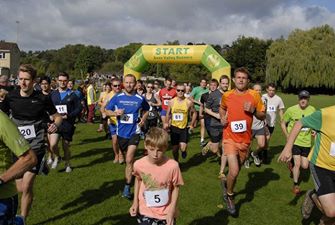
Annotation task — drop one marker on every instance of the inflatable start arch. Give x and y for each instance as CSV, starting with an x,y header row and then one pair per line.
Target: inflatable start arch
x,y
182,54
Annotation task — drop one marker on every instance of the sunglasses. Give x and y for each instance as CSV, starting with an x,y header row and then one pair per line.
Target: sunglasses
x,y
179,90
149,86
116,85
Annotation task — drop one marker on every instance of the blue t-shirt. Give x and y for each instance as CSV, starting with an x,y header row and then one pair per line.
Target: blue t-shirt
x,y
128,122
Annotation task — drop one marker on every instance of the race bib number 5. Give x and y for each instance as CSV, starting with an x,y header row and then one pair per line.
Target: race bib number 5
x,y
27,131
238,126
157,198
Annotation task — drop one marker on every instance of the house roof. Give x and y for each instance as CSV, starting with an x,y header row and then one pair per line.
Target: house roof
x,y
8,45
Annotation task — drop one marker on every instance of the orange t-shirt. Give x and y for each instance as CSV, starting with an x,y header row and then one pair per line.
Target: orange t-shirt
x,y
239,121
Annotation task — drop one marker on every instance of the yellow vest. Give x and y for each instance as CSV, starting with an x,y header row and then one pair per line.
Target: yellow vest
x,y
179,113
91,101
108,97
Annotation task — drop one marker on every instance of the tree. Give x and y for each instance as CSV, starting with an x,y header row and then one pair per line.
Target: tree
x,y
305,60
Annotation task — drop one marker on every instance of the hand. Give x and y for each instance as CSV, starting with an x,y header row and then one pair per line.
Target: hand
x,y
52,128
133,210
170,218
119,112
166,126
286,155
248,107
64,116
141,123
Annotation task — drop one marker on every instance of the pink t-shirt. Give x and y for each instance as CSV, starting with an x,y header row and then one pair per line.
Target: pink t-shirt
x,y
155,180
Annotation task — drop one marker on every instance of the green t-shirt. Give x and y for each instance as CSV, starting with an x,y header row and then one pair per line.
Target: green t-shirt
x,y
323,151
294,114
196,94
11,142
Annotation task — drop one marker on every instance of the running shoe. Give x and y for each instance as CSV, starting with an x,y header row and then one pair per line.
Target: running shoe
x,y
296,190
307,205
256,159
55,163
222,176
203,143
247,164
49,162
224,188
205,150
126,192
68,169
184,154
231,206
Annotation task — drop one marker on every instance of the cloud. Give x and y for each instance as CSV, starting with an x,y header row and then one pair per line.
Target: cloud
x,y
111,23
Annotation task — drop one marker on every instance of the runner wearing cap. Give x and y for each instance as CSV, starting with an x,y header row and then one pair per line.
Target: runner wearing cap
x,y
303,142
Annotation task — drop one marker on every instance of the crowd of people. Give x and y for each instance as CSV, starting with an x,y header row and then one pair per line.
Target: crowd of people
x,y
40,114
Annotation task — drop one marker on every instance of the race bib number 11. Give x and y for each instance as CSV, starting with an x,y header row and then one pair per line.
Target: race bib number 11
x,y
61,109
238,126
157,198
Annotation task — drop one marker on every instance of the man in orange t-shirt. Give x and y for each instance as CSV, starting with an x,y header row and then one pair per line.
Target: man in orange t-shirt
x,y
238,106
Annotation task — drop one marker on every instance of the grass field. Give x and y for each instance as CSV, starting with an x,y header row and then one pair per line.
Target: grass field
x,y
91,194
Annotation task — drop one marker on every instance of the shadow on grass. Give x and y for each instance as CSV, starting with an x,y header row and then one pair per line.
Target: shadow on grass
x,y
195,160
91,140
256,181
221,217
93,151
88,199
273,152
106,157
124,219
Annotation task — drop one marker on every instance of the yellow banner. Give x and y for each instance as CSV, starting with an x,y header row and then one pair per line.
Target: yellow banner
x,y
184,54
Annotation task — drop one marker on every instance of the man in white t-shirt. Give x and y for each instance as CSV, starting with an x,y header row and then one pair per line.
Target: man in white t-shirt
x,y
274,105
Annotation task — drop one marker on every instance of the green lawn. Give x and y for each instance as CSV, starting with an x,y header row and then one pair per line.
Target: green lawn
x,y
91,194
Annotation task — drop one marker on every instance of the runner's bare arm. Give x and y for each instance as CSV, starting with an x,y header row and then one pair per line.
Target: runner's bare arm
x,y
134,208
57,122
24,163
286,154
174,199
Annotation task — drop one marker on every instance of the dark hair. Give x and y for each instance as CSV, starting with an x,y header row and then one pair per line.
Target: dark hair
x,y
271,85
28,68
242,70
46,78
130,75
224,77
168,79
215,81
63,74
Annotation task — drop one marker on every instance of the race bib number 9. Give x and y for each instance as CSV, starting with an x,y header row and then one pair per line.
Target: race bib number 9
x,y
27,131
177,116
127,118
238,126
271,108
157,198
166,102
61,109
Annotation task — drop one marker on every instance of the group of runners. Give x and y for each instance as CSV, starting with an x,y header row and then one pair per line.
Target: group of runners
x,y
131,110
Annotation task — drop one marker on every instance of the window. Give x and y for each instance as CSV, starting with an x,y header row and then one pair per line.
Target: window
x,y
2,55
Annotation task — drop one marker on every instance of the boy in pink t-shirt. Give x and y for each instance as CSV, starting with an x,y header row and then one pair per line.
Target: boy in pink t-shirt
x,y
157,182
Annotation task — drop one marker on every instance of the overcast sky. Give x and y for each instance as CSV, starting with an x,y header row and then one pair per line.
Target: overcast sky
x,y
52,24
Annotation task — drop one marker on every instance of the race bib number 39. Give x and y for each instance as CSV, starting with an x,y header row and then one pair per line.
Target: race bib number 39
x,y
61,109
177,116
238,126
27,131
157,198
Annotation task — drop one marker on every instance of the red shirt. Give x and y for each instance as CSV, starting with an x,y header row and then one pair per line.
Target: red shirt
x,y
166,95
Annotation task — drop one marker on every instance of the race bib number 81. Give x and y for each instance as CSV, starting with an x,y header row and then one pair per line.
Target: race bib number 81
x,y
27,131
157,198
238,126
177,117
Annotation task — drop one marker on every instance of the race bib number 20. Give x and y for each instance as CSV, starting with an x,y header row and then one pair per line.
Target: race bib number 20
x,y
238,126
27,131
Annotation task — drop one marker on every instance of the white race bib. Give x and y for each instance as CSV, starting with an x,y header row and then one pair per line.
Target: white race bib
x,y
61,109
127,118
304,129
177,116
238,126
166,102
271,108
332,149
157,198
27,131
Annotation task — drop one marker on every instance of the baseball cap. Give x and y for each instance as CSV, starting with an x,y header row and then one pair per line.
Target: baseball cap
x,y
304,94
